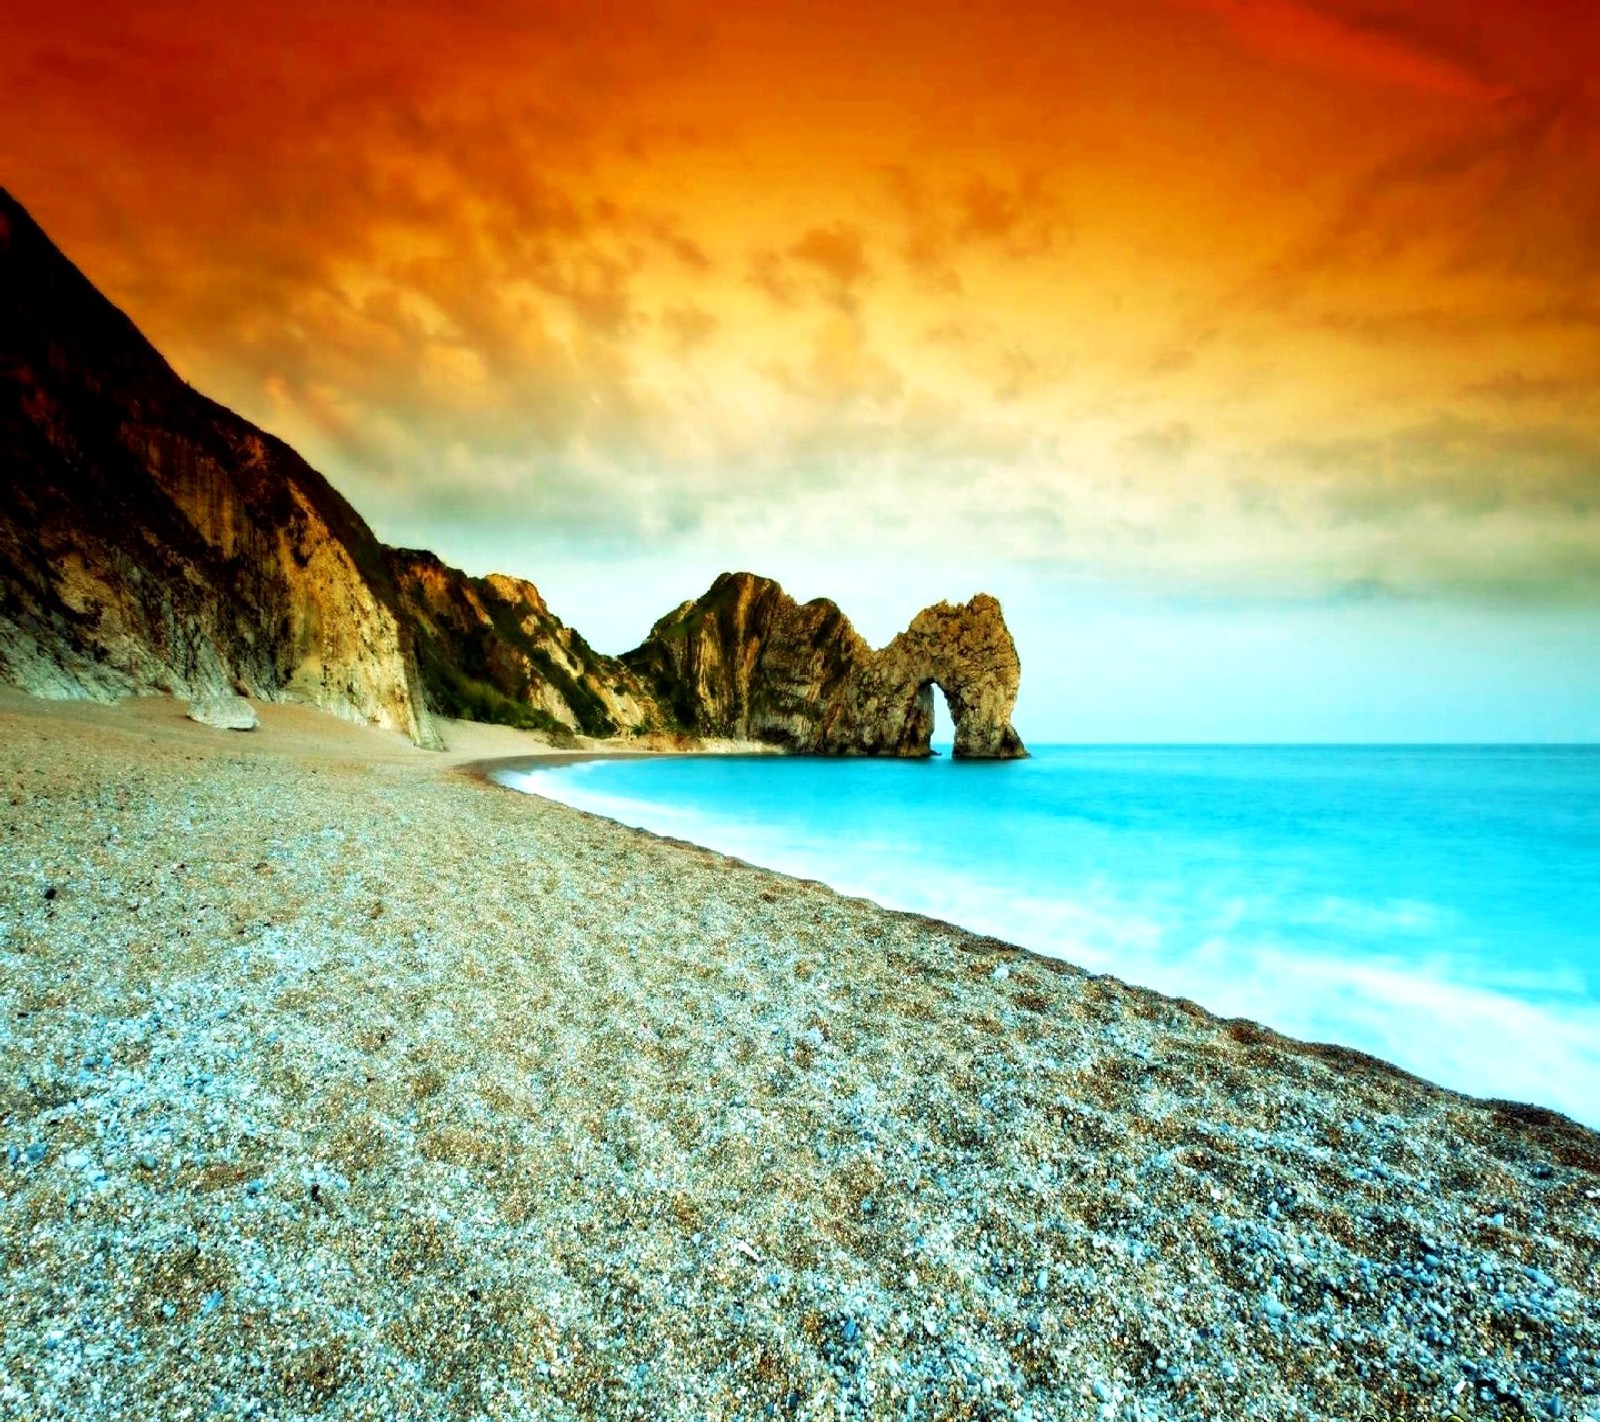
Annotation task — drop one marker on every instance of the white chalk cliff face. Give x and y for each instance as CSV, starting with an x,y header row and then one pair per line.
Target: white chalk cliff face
x,y
747,662
152,540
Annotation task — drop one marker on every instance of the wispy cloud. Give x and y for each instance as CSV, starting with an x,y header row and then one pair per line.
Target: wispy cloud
x,y
1360,41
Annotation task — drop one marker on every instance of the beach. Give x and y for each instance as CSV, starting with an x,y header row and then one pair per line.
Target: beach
x,y
339,1081
1436,907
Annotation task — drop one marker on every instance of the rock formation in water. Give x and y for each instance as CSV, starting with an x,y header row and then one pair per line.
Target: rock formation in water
x,y
967,652
489,649
152,540
747,662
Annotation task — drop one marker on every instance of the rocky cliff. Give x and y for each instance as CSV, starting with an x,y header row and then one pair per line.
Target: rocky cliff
x,y
747,662
152,540
489,649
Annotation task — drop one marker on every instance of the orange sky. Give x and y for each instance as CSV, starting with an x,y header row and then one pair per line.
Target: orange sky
x,y
1260,300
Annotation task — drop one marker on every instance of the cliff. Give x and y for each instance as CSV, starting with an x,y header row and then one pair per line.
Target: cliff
x,y
152,540
746,661
489,649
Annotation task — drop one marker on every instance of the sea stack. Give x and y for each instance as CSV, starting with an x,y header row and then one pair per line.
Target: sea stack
x,y
966,650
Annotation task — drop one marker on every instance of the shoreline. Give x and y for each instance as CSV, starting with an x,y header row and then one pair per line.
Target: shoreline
x,y
1332,1052
334,1083
486,769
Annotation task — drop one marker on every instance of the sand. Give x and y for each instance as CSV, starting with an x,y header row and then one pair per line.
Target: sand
x,y
336,1081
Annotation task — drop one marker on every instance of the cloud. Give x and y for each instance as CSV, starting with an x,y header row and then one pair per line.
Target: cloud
x,y
1470,244
1455,464
1360,42
689,253
1018,221
1506,193
690,327
826,264
1169,441
838,253
1020,373
770,273
1452,507
946,220
1516,387
1175,359
841,371
544,268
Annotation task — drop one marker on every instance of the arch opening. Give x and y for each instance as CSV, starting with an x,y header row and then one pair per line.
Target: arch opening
x,y
942,737
933,721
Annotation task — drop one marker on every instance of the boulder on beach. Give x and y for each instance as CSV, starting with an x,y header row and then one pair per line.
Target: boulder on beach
x,y
226,713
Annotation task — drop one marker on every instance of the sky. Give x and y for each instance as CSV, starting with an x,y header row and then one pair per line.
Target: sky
x,y
1247,350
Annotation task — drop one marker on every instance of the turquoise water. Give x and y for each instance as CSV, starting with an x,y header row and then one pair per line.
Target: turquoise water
x,y
1439,907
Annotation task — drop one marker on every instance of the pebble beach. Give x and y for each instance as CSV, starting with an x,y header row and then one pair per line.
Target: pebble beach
x,y
337,1081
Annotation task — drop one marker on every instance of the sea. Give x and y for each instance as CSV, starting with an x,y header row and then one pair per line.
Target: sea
x,y
1435,906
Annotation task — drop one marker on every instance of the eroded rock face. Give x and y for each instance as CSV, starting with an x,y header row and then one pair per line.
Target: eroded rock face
x,y
151,540
747,662
965,650
489,649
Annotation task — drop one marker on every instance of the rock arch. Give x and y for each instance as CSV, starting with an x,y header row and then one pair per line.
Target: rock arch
x,y
965,650
746,662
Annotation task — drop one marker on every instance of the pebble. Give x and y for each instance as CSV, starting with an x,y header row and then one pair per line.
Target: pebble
x,y
1043,1205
